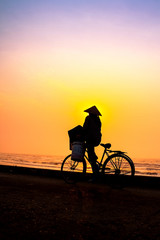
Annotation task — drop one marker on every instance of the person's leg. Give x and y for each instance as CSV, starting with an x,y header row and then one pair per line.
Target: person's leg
x,y
92,159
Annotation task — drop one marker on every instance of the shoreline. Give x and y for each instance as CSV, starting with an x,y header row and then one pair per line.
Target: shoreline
x,y
136,181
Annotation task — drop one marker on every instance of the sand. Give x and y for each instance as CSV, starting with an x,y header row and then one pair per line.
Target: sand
x,y
40,207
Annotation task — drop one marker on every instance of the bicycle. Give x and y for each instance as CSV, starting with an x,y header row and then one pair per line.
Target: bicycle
x,y
117,163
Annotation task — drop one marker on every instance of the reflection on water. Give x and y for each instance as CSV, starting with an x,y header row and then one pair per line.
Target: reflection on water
x,y
144,167
31,160
147,167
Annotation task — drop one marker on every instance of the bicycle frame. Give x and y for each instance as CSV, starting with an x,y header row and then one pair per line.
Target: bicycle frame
x,y
106,151
99,163
115,163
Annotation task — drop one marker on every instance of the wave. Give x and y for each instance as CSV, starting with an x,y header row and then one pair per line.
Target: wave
x,y
142,167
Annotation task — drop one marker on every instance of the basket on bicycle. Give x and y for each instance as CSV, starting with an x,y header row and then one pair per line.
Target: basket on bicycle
x,y
76,143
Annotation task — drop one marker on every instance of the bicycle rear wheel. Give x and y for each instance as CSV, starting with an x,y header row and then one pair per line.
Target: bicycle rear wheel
x,y
118,164
73,171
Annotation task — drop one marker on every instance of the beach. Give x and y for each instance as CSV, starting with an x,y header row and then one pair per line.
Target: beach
x,y
41,207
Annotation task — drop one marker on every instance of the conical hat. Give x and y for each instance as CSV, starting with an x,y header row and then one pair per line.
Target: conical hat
x,y
93,110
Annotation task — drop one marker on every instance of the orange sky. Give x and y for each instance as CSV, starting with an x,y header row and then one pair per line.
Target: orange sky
x,y
55,63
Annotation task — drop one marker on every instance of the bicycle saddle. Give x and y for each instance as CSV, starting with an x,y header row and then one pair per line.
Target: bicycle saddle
x,y
107,145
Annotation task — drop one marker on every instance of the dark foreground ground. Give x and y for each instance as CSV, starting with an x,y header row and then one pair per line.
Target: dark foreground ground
x,y
34,207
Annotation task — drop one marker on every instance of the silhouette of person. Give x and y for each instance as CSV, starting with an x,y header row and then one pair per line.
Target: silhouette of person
x,y
92,134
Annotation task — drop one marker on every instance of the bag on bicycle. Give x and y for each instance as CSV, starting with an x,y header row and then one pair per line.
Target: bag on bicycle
x,y
78,151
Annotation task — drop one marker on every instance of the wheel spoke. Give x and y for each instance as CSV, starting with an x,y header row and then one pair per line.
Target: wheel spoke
x,y
113,164
118,164
72,170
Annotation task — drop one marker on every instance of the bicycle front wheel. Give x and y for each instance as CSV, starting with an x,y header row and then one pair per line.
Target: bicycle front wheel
x,y
72,170
118,164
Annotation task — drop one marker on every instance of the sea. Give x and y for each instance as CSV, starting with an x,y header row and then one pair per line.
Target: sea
x,y
143,167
